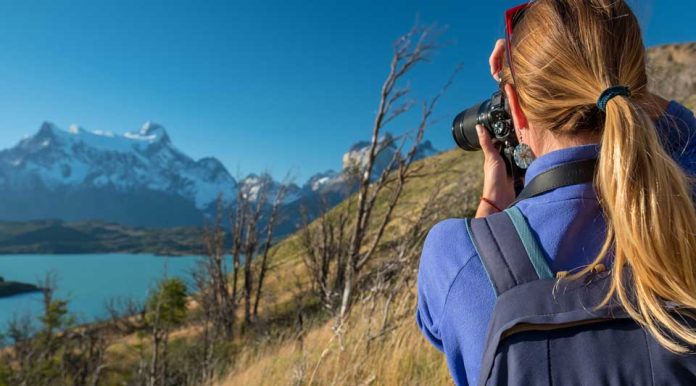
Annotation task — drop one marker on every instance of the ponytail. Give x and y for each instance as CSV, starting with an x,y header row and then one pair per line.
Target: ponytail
x,y
651,225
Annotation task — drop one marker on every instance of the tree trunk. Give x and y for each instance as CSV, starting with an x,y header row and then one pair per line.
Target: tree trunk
x,y
347,293
248,283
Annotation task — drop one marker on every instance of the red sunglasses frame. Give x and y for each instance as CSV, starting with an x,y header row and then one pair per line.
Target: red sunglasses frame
x,y
512,16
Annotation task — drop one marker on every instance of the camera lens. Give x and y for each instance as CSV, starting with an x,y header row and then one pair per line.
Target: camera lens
x,y
464,126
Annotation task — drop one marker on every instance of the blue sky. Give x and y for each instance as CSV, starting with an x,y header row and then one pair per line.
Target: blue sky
x,y
262,85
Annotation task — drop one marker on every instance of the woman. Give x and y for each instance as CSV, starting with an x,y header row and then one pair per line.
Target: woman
x,y
639,215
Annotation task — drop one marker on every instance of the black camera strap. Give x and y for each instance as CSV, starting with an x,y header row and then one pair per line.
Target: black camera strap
x,y
571,173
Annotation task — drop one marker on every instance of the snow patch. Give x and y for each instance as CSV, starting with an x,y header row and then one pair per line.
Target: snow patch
x,y
74,129
139,136
101,133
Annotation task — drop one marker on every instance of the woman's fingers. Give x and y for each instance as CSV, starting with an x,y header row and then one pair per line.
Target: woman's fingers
x,y
489,149
497,184
496,58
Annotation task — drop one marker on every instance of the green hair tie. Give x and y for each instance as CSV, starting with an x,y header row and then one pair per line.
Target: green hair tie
x,y
609,93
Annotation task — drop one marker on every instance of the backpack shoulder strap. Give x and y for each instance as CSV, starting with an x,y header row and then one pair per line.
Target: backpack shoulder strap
x,y
509,251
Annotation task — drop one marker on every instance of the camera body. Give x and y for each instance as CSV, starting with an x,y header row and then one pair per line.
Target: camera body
x,y
494,115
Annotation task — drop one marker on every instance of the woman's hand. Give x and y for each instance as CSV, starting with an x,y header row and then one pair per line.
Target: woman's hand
x,y
498,187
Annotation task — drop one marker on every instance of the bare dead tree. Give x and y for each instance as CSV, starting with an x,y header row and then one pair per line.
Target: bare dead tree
x,y
325,247
217,299
126,315
159,346
83,355
251,244
219,293
238,223
395,275
270,227
209,335
409,50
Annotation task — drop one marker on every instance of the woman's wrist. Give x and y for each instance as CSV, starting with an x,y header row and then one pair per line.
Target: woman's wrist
x,y
501,196
491,204
494,199
485,209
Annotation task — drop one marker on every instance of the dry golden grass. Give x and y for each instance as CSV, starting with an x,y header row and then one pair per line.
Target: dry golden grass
x,y
402,357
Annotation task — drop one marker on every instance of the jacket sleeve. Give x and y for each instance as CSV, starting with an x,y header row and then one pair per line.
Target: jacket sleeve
x,y
430,300
440,262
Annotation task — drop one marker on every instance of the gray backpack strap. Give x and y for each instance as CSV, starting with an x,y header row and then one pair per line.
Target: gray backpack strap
x,y
508,249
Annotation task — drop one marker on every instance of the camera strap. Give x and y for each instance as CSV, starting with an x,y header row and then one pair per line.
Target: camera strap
x,y
571,173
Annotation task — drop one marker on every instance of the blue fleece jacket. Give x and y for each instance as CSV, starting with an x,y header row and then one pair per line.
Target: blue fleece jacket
x,y
455,297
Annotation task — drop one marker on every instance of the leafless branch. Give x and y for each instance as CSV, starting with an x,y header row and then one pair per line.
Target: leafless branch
x,y
411,49
270,227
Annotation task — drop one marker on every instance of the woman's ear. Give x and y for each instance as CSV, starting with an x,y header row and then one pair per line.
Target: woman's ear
x,y
518,117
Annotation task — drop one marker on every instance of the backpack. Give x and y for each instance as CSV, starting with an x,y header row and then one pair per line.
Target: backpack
x,y
545,331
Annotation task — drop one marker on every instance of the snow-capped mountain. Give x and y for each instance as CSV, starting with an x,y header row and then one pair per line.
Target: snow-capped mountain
x,y
356,157
135,178
252,186
144,159
140,178
328,181
335,186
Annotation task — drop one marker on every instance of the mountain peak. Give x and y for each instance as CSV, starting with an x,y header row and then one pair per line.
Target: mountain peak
x,y
150,127
425,149
385,140
151,132
47,128
321,180
263,177
75,129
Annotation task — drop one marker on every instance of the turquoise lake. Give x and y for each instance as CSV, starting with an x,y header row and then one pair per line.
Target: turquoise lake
x,y
88,281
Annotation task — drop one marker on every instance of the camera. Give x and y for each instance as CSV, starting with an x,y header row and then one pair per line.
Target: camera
x,y
494,115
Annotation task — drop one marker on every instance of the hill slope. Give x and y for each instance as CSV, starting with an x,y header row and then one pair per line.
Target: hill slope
x,y
672,72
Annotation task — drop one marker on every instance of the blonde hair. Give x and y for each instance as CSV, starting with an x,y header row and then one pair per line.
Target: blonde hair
x,y
564,54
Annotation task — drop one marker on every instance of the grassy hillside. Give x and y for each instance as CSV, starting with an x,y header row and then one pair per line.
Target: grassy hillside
x,y
403,356
313,356
672,72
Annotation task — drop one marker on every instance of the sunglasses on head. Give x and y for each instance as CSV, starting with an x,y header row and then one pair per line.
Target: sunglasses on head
x,y
512,17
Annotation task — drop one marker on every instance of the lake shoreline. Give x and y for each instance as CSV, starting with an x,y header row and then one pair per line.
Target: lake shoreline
x,y
14,288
